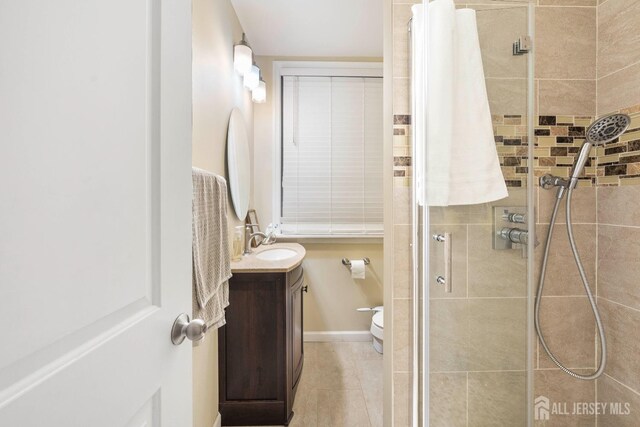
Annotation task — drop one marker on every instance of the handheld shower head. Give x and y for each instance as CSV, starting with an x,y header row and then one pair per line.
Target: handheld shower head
x,y
602,131
607,128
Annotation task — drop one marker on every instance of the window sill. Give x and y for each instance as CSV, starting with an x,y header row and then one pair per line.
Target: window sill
x,y
346,239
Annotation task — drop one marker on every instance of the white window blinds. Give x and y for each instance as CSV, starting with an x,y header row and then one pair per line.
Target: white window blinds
x,y
331,155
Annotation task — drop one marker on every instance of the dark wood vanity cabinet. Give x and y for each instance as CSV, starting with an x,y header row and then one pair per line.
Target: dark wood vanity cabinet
x,y
261,351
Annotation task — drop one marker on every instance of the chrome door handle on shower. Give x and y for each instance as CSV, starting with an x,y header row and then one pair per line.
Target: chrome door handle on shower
x,y
445,280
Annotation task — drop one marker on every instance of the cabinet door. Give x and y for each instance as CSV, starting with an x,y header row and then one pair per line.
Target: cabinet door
x,y
296,331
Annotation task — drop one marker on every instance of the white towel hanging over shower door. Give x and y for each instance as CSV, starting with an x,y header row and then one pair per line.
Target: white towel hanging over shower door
x,y
460,164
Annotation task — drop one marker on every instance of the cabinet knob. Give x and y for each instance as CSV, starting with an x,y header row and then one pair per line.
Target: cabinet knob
x,y
305,289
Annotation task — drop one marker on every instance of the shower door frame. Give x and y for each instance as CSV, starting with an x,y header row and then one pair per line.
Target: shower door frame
x,y
420,249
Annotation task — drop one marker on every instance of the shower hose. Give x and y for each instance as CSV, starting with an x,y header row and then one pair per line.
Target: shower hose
x,y
587,289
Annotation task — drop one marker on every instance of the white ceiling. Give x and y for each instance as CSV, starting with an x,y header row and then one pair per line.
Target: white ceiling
x,y
312,27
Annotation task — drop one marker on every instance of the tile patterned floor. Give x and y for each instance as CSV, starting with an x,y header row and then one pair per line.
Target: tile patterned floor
x,y
341,386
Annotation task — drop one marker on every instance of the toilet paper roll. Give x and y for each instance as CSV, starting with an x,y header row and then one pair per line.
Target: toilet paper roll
x,y
357,269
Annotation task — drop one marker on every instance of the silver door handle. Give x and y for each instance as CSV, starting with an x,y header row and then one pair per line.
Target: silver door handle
x,y
446,279
183,328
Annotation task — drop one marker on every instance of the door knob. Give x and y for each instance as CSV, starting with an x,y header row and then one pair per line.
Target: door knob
x,y
184,328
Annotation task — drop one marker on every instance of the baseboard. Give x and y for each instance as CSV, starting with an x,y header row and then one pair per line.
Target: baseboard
x,y
218,421
337,336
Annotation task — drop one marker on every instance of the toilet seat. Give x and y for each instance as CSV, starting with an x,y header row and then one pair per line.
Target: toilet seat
x,y
378,319
377,329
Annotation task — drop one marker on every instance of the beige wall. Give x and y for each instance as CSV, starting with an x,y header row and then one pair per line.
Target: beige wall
x,y
566,57
566,86
333,296
217,89
618,55
618,225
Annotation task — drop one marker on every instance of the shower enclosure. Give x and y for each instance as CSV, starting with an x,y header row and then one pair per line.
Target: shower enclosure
x,y
562,79
472,335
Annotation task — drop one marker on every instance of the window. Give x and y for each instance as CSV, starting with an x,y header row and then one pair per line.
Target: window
x,y
331,158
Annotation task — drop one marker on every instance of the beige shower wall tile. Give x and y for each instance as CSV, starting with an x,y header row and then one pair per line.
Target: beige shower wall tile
x,y
448,400
566,42
572,97
618,36
610,201
476,214
497,29
494,273
449,335
560,388
619,90
401,335
507,96
401,260
497,399
622,329
619,264
401,96
567,2
458,258
568,327
477,334
401,399
497,334
583,208
562,276
401,205
401,15
609,390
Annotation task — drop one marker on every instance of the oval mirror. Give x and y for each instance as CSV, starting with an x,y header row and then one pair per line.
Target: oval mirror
x,y
238,163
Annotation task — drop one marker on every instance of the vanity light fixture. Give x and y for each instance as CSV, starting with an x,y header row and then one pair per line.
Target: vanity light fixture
x,y
242,56
252,77
259,94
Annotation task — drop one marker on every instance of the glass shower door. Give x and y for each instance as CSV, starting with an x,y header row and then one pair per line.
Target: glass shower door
x,y
472,352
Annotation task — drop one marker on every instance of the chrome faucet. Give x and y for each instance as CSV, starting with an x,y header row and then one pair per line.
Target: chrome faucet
x,y
249,238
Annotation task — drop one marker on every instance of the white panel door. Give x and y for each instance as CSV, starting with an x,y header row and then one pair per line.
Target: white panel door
x,y
95,212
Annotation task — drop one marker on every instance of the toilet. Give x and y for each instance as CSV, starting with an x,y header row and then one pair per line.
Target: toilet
x,y
377,328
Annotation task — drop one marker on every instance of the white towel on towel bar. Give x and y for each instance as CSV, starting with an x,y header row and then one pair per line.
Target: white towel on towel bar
x,y
210,248
456,156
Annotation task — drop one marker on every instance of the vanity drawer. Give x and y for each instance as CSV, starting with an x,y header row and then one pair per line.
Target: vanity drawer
x,y
294,276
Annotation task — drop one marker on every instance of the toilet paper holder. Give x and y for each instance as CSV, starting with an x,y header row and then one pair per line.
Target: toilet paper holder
x,y
347,261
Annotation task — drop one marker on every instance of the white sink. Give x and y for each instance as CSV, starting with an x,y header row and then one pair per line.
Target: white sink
x,y
276,254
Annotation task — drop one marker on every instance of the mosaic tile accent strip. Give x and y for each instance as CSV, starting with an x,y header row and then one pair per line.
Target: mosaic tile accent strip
x,y
512,145
557,141
619,160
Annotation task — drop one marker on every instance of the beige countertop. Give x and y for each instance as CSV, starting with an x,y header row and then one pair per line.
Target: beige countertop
x,y
252,264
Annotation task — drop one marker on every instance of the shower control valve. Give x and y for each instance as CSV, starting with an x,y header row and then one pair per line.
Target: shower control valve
x,y
515,235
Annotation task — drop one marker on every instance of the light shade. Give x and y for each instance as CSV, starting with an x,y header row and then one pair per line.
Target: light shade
x,y
242,57
252,78
259,94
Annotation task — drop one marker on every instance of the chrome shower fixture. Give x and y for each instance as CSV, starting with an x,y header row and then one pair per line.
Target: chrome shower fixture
x,y
603,130
600,132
